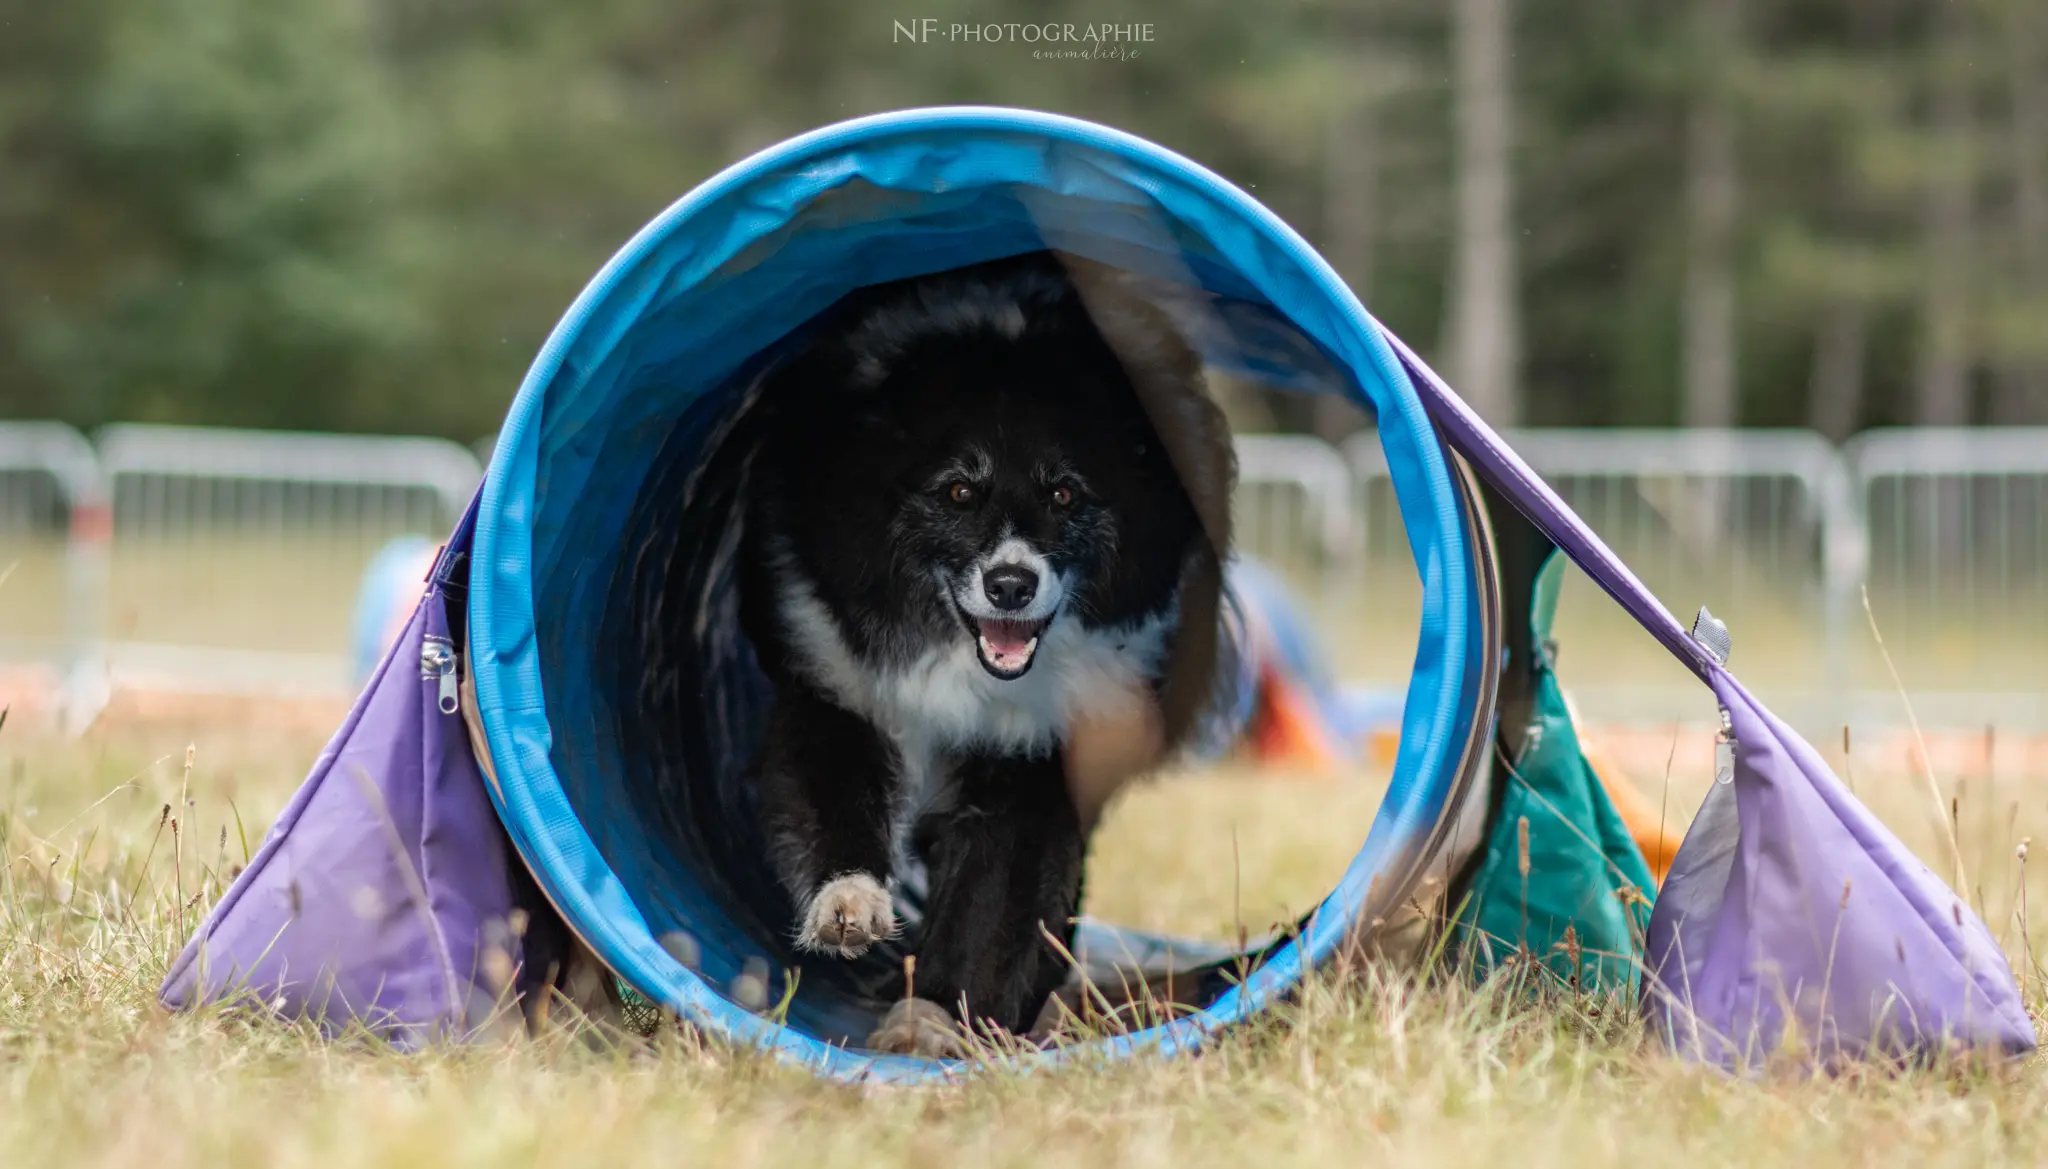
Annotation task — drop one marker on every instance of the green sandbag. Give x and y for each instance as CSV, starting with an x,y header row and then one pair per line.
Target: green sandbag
x,y
1560,879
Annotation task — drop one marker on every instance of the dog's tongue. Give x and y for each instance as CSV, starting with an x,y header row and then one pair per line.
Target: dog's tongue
x,y
1008,645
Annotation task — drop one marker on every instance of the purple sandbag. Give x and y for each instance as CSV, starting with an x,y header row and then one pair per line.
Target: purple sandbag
x,y
1788,899
1790,903
384,886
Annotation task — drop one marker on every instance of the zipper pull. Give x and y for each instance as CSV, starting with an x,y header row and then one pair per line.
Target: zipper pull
x,y
437,663
1724,750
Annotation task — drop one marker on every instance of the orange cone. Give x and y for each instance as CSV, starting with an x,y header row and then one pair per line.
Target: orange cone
x,y
1286,729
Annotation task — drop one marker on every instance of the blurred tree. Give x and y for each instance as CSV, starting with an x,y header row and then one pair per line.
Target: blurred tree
x,y
1710,190
367,214
1831,209
1484,328
1601,209
1364,78
2018,328
1948,225
205,227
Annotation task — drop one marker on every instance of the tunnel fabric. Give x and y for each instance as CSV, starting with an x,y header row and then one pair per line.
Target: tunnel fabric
x,y
731,270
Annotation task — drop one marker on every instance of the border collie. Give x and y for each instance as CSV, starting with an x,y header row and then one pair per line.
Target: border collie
x,y
985,500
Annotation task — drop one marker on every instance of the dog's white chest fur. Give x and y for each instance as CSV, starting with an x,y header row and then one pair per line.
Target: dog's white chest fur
x,y
943,702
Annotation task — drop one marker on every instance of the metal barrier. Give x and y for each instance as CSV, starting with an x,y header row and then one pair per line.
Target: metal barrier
x,y
53,554
1759,526
1295,502
186,558
237,555
1957,524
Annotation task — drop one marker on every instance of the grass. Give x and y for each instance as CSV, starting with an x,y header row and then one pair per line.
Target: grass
x,y
1372,1070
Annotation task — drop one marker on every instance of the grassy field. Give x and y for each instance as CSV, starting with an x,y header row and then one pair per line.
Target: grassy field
x,y
1375,1070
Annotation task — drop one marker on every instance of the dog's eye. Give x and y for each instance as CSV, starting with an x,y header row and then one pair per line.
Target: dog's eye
x,y
1063,497
960,493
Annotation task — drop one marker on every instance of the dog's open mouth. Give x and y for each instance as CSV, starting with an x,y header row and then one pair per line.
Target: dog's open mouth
x,y
1006,648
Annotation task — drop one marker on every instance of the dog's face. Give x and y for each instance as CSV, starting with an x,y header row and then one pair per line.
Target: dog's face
x,y
974,462
1016,524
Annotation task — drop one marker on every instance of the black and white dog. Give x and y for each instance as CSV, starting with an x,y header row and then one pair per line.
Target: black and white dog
x,y
986,501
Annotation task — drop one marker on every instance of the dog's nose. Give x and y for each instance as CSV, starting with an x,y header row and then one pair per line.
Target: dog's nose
x,y
1010,586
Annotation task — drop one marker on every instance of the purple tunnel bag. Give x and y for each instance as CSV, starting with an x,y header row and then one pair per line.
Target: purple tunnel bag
x,y
383,895
1790,911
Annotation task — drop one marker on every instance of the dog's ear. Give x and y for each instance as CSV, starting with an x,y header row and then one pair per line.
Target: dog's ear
x,y
1198,655
1166,372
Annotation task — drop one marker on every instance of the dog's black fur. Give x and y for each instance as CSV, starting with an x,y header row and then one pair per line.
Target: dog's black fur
x,y
982,500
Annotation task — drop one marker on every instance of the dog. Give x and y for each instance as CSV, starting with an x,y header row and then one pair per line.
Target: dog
x,y
986,503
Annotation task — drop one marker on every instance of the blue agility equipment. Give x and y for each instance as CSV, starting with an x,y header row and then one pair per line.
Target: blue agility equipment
x,y
666,331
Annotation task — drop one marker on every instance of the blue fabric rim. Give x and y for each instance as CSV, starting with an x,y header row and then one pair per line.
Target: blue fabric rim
x,y
510,691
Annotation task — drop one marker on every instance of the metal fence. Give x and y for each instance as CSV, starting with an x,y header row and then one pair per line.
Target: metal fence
x,y
236,556
1759,526
53,532
1956,523
1779,533
1296,503
231,560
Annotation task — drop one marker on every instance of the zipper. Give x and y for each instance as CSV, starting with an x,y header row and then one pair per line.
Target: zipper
x,y
1724,750
437,664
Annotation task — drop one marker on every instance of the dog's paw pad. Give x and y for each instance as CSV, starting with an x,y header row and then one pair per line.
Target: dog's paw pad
x,y
919,1027
847,915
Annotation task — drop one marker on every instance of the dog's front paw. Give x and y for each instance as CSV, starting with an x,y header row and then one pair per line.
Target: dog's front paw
x,y
919,1027
847,915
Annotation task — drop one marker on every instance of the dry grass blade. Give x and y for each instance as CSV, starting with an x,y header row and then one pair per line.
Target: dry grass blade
x,y
1925,760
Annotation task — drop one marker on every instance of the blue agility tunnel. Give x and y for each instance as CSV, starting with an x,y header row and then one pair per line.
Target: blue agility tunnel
x,y
632,386
614,770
